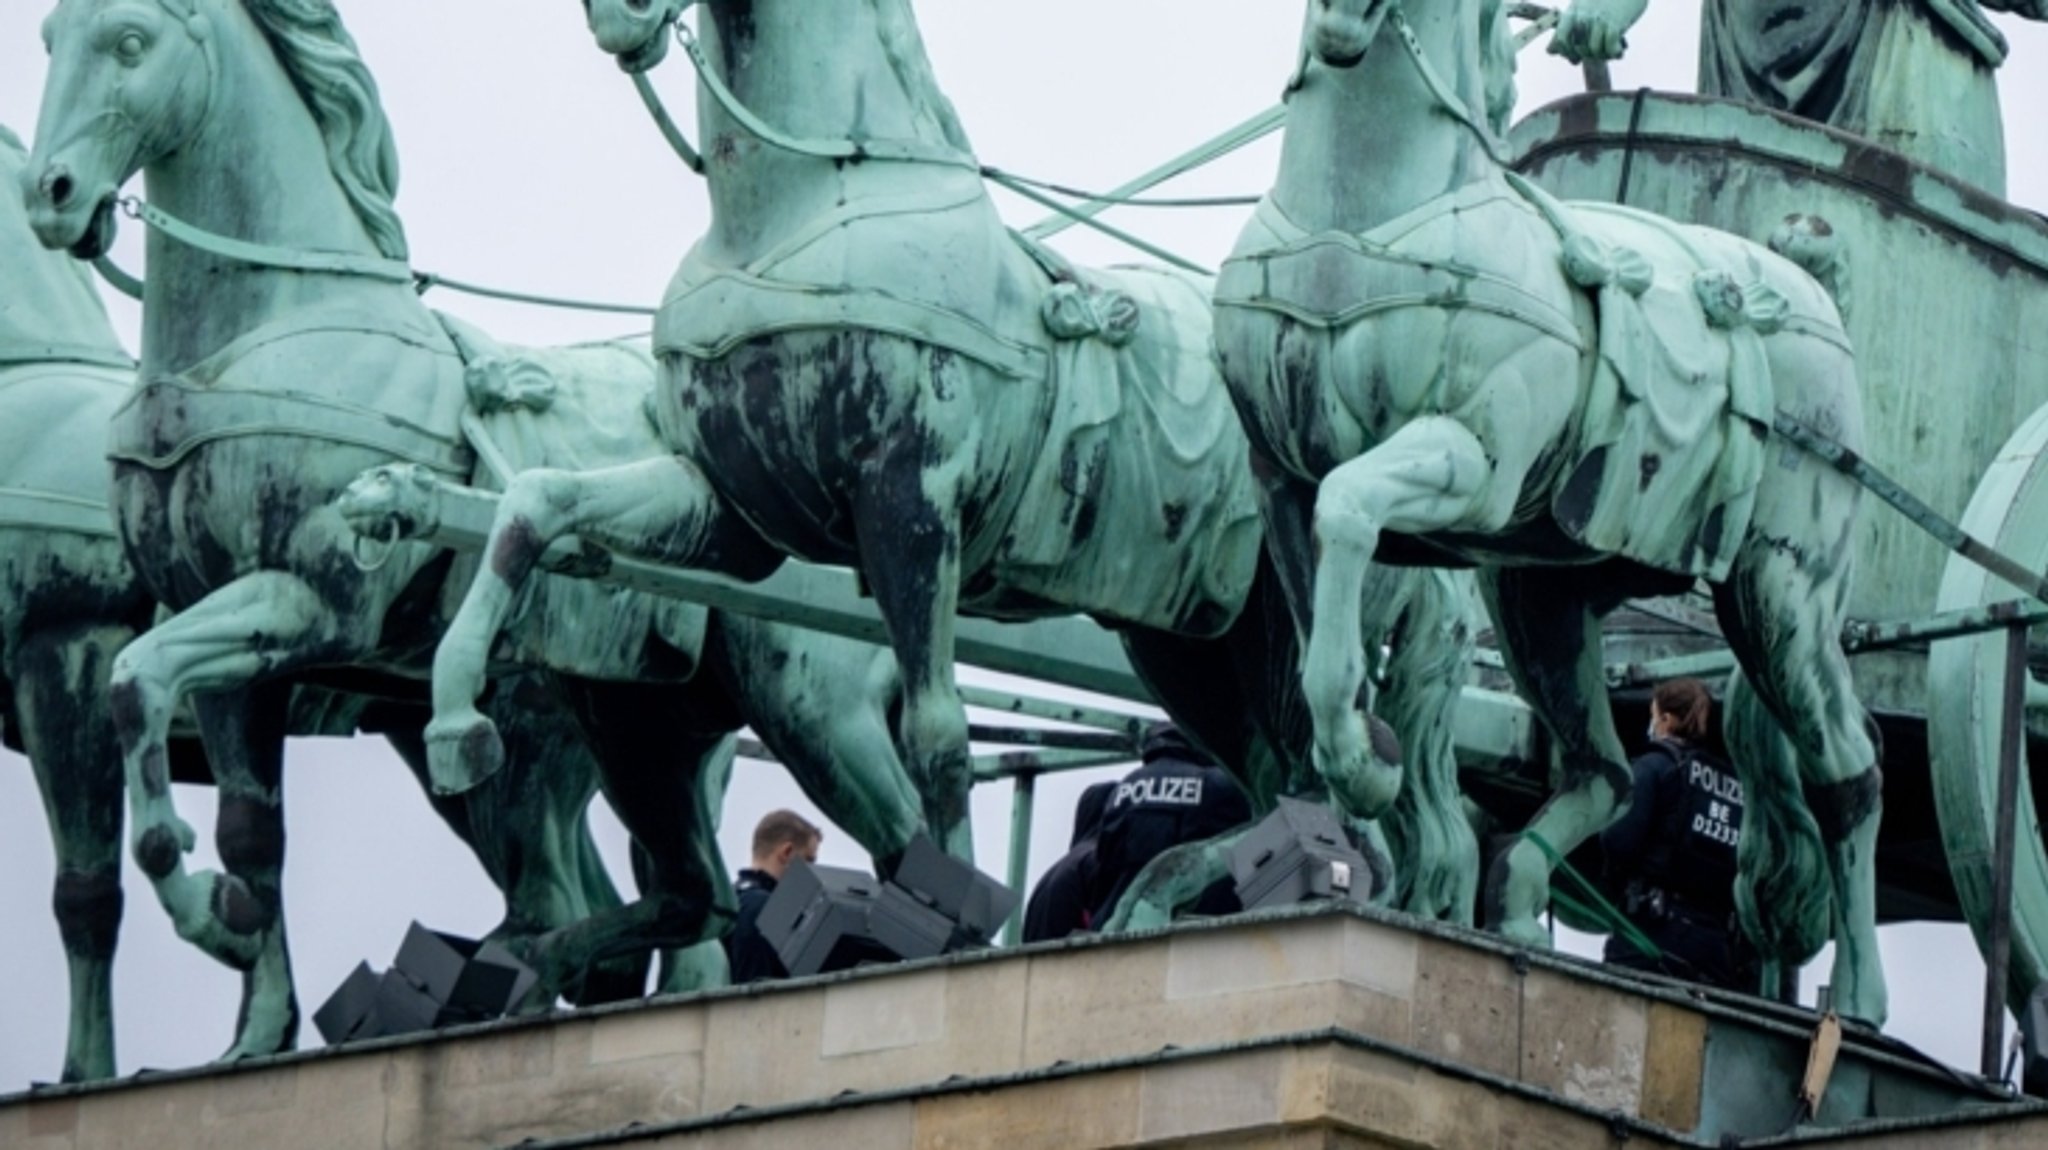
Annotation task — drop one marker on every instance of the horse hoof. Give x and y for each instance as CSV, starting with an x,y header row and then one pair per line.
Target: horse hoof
x,y
463,754
1527,932
270,1020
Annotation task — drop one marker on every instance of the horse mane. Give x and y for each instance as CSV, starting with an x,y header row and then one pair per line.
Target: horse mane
x,y
327,69
903,44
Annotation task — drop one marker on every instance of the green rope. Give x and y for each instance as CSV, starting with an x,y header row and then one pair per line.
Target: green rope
x,y
1600,910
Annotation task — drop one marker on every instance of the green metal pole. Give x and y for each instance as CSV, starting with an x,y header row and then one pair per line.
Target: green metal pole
x,y
1209,151
1020,850
1080,216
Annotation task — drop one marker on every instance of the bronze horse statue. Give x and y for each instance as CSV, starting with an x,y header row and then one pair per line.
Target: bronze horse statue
x,y
69,601
1438,363
863,366
285,351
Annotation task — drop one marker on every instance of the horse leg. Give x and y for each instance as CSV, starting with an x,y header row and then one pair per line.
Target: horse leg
x,y
703,966
822,703
907,520
1548,628
259,627
527,825
244,732
1430,475
1781,609
1424,838
658,509
60,698
672,815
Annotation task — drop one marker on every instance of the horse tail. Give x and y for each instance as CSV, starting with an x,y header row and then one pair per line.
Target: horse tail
x,y
1813,244
1436,855
1782,894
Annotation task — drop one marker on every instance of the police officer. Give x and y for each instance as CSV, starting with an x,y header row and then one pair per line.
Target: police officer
x,y
1673,852
1178,796
780,838
1059,903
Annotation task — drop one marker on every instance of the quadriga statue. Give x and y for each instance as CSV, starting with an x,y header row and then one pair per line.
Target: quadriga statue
x,y
69,602
861,365
285,353
1436,359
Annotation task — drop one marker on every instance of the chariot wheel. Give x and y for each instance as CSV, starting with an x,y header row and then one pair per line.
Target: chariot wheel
x,y
1965,710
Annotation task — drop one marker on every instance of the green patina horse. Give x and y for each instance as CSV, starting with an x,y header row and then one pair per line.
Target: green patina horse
x,y
284,354
1447,366
69,601
863,366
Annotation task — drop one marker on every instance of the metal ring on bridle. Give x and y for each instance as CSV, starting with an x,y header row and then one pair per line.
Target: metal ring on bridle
x,y
388,546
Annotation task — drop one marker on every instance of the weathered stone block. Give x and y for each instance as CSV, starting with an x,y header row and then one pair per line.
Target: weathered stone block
x,y
658,1033
1380,958
884,1014
1404,1104
1674,1066
765,1047
1583,1041
1058,1115
174,1114
1240,961
866,1034
1242,1093
51,1125
1468,1006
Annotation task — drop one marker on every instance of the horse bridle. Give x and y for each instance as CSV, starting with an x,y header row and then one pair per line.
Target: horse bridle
x,y
843,149
187,13
1444,95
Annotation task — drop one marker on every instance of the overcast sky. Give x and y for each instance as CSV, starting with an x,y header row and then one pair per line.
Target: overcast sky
x,y
529,164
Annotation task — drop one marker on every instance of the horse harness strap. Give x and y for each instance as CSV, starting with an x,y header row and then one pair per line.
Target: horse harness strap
x,y
54,511
267,255
1294,277
1438,88
60,354
208,413
849,150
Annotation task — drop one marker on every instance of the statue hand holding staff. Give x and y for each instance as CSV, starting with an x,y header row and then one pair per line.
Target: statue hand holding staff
x,y
1597,30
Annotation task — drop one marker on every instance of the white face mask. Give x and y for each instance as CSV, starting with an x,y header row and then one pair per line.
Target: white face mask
x,y
1652,731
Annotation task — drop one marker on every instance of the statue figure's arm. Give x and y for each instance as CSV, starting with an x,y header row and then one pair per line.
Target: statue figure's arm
x,y
1598,29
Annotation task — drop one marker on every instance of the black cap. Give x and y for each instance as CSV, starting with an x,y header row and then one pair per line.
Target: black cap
x,y
1167,741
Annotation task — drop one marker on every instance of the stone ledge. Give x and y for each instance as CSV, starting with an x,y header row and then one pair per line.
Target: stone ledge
x,y
1439,1001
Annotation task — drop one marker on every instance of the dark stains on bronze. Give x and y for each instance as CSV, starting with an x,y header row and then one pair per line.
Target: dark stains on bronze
x,y
518,548
88,910
1841,807
157,852
250,834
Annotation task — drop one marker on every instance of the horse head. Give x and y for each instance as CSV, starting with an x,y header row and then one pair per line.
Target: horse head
x,y
635,31
1341,32
129,81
